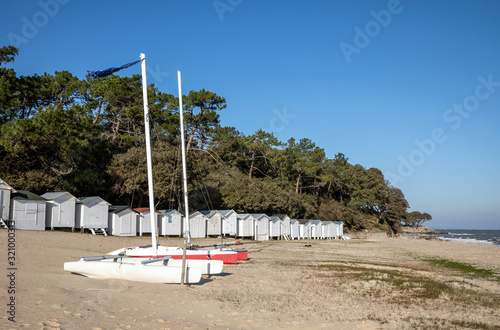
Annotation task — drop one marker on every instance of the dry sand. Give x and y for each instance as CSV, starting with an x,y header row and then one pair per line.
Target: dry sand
x,y
373,283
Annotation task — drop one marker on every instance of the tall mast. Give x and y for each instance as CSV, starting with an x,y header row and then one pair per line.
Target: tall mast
x,y
187,231
148,155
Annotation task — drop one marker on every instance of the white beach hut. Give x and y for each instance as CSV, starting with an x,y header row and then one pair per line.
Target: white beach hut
x,y
5,195
198,225
229,222
144,220
92,213
329,229
285,225
294,229
27,211
274,227
261,226
339,232
122,221
214,222
60,210
245,226
304,229
316,228
170,223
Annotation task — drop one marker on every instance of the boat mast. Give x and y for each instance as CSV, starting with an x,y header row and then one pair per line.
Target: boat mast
x,y
148,155
187,231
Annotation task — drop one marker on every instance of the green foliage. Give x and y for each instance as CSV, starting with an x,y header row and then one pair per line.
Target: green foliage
x,y
462,267
416,218
87,137
7,54
9,99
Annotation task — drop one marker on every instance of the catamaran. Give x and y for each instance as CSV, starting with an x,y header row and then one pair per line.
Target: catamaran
x,y
224,254
143,263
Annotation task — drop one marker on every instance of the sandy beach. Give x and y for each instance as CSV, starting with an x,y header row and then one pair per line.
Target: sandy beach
x,y
370,283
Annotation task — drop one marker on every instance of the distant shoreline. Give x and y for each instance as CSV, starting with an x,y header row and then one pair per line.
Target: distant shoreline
x,y
471,236
422,230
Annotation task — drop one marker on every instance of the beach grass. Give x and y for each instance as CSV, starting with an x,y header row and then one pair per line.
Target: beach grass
x,y
406,287
463,268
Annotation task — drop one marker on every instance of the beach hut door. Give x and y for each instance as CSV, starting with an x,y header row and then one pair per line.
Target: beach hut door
x,y
55,214
126,225
3,206
67,214
31,212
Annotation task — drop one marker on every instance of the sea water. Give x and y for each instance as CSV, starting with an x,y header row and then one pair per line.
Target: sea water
x,y
474,236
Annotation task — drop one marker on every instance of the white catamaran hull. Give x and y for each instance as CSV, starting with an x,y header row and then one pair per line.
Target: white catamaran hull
x,y
133,271
208,267
226,256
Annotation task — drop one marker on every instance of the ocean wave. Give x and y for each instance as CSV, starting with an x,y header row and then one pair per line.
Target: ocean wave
x,y
466,240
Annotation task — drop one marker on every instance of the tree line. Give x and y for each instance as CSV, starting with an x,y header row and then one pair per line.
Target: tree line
x,y
61,133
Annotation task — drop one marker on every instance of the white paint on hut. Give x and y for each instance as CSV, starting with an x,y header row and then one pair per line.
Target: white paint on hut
x,y
261,226
91,213
274,227
304,229
5,195
60,210
316,228
27,211
122,221
245,225
339,229
144,220
329,229
294,229
170,223
285,224
229,222
198,225
214,222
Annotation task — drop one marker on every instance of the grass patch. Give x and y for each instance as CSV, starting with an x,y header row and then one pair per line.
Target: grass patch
x,y
474,325
438,323
404,288
462,267
412,286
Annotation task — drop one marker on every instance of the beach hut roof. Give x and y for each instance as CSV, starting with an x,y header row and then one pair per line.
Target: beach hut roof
x,y
225,212
56,195
87,200
327,222
315,221
6,186
195,213
26,195
144,209
209,213
303,221
168,212
281,216
259,215
120,208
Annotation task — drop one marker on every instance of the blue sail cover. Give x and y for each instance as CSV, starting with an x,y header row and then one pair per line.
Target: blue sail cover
x,y
107,72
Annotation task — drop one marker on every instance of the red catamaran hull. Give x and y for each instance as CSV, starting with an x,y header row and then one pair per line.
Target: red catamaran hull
x,y
226,256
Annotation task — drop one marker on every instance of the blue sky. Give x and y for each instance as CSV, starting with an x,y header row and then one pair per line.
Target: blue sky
x,y
409,87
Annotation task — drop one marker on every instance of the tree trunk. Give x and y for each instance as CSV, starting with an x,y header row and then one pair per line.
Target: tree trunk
x,y
189,141
251,166
98,114
297,185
